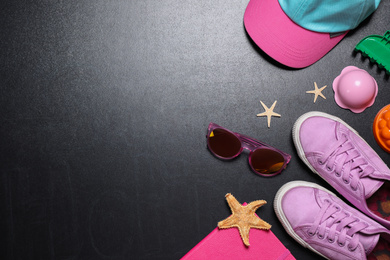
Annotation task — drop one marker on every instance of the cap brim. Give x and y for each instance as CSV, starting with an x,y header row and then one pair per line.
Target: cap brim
x,y
282,39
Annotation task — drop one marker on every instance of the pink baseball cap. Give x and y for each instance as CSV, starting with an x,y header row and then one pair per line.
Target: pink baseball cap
x,y
297,33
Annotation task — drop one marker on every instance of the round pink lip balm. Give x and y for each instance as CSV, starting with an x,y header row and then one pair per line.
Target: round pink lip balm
x,y
355,89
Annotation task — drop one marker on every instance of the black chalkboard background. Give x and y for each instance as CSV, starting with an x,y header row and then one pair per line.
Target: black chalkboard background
x,y
104,111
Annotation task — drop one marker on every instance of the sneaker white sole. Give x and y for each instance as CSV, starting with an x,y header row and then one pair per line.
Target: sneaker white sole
x,y
282,217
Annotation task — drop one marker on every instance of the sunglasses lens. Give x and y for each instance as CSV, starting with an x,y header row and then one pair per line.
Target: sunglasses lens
x,y
266,162
224,143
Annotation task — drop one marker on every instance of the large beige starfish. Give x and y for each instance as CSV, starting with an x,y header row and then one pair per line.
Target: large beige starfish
x,y
244,217
317,92
269,112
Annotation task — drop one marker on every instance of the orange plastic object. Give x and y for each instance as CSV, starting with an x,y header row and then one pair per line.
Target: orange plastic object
x,y
381,128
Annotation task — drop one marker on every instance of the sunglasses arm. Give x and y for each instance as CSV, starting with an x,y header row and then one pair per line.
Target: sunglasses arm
x,y
252,143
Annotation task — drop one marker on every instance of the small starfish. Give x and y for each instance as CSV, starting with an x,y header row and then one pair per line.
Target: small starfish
x,y
244,217
269,112
317,92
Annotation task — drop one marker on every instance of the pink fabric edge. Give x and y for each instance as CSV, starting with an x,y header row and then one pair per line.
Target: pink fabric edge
x,y
283,40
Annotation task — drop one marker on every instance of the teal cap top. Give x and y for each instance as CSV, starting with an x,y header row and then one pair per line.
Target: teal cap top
x,y
328,16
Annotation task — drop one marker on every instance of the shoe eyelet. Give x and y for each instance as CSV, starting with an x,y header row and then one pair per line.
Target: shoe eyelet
x,y
311,233
328,169
320,236
337,174
330,240
320,162
346,181
341,244
351,249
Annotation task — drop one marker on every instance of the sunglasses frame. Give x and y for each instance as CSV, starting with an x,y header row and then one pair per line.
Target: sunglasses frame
x,y
248,144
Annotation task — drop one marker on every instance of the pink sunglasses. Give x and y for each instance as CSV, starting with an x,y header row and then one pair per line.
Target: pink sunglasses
x,y
264,159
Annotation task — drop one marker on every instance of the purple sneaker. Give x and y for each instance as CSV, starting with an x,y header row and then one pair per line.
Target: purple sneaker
x,y
323,223
337,153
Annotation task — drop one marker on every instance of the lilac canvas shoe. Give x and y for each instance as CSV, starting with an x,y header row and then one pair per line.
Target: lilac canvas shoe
x,y
337,153
323,223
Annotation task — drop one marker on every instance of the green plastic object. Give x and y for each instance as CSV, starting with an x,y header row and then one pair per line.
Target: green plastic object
x,y
377,49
